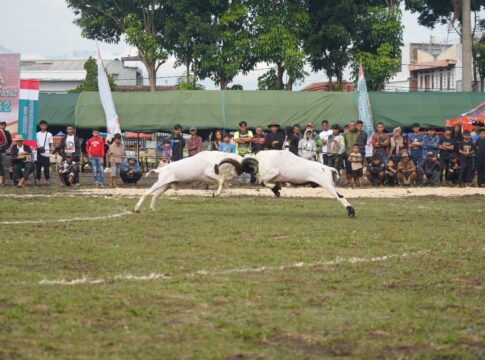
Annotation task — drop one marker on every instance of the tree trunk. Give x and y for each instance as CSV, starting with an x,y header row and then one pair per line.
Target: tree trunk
x,y
475,72
482,82
187,69
289,85
466,45
330,83
152,74
279,79
223,82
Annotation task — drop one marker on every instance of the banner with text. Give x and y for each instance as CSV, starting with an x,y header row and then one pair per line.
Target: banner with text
x,y
28,107
9,90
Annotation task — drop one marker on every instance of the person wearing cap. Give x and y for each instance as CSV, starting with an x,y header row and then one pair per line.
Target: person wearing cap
x,y
351,138
242,139
5,144
276,138
68,170
475,134
480,157
406,170
22,161
335,148
177,143
415,145
431,141
44,148
466,150
322,142
194,143
429,169
446,146
311,127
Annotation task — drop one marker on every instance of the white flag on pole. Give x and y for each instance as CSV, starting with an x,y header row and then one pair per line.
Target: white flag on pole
x,y
365,113
112,121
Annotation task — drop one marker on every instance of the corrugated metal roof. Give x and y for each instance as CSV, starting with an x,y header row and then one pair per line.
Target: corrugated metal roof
x,y
52,65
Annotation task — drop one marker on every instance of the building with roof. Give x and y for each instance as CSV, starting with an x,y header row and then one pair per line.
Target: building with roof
x,y
347,86
60,76
429,67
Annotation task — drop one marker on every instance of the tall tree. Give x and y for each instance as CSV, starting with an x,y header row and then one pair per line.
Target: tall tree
x,y
280,26
140,21
90,82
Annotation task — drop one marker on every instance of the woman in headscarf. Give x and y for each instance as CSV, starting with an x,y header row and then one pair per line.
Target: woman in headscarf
x,y
397,145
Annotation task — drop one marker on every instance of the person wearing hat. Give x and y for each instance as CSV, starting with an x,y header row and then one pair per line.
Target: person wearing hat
x,y
276,138
475,134
311,127
5,143
335,148
431,141
429,170
480,157
68,170
242,139
22,161
194,143
466,151
406,170
177,143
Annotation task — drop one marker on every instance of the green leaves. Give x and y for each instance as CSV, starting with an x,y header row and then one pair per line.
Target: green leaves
x,y
90,83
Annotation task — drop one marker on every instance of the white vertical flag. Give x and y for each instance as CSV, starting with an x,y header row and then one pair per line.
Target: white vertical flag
x,y
112,121
365,114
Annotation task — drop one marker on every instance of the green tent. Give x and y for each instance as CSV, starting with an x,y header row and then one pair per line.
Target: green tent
x,y
57,109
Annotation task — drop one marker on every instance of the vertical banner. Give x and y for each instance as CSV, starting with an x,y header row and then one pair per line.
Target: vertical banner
x,y
112,121
9,90
365,114
28,106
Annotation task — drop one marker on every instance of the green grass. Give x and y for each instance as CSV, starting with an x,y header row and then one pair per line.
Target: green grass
x,y
424,306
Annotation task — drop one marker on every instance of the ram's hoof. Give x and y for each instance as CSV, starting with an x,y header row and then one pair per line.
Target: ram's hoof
x,y
351,212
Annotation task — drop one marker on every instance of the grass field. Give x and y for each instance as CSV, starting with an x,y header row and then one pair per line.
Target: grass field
x,y
408,281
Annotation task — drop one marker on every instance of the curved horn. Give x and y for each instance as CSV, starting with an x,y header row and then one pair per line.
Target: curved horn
x,y
233,162
249,165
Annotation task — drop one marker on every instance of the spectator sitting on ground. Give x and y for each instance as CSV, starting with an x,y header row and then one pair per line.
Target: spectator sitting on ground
x,y
115,156
375,171
390,176
130,171
307,147
5,143
453,171
166,151
258,141
406,170
226,146
22,161
68,170
356,165
335,148
431,141
429,170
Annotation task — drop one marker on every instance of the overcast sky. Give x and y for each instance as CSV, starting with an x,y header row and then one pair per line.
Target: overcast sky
x,y
39,29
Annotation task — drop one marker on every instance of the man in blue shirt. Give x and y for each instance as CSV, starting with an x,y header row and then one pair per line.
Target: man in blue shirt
x,y
226,146
430,142
415,144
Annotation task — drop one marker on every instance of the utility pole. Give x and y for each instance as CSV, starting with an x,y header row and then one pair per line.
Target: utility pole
x,y
466,45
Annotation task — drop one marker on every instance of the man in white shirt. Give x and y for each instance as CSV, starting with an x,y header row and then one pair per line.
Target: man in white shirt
x,y
324,134
44,149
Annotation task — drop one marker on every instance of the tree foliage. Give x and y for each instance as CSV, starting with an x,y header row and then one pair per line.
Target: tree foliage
x,y
90,83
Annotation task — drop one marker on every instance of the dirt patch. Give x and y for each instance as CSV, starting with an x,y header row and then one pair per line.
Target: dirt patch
x,y
298,192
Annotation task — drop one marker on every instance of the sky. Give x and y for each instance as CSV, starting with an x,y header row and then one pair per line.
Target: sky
x,y
47,32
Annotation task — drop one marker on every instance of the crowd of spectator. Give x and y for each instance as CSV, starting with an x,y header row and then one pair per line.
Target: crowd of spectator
x,y
417,158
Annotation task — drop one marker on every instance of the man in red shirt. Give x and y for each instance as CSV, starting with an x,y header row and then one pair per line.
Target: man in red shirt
x,y
194,144
95,151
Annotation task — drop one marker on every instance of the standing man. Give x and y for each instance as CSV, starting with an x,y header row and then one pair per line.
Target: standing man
x,y
177,143
466,149
415,144
446,146
380,143
480,157
44,149
351,138
95,151
275,139
295,139
5,144
431,141
362,139
335,148
242,139
194,144
258,141
323,140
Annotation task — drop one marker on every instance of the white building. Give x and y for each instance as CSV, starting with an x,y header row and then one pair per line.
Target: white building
x,y
60,76
429,67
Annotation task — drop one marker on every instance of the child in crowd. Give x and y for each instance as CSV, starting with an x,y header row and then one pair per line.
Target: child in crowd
x,y
67,171
391,173
466,149
453,171
166,151
95,151
355,159
226,146
115,156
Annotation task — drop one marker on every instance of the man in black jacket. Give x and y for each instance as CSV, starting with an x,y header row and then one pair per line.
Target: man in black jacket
x,y
275,139
295,138
5,143
177,143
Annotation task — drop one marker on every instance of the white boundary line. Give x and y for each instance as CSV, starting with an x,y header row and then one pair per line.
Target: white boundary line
x,y
298,265
79,218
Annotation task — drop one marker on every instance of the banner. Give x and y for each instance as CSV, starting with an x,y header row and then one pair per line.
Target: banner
x,y
28,107
112,121
365,114
9,90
